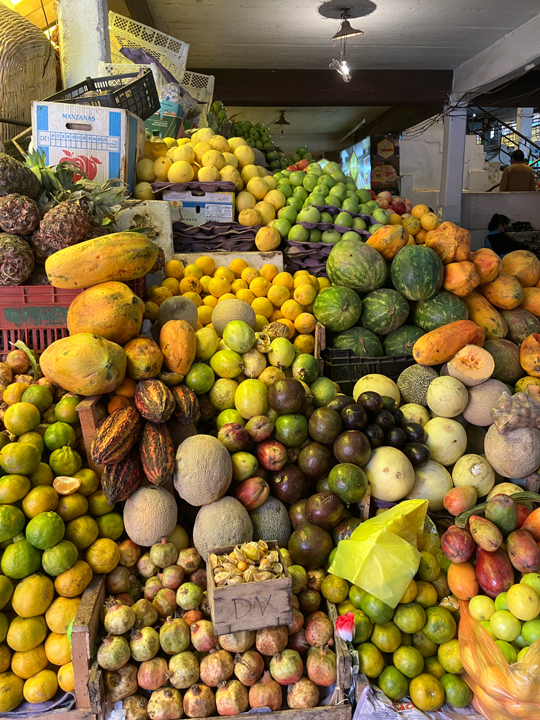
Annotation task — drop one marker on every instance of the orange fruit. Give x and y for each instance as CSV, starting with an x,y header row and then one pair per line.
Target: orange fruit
x,y
306,343
206,264
116,402
275,316
219,286
246,295
227,296
190,284
204,314
193,270
426,692
262,306
305,294
419,210
420,237
194,297
291,310
65,485
237,266
395,219
210,300
269,271
14,392
278,294
249,274
429,221
127,388
171,284
238,284
305,323
412,225
284,278
224,272
426,595
174,269
205,282
259,287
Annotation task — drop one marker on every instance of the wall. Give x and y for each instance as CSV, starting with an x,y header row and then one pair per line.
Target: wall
x,y
478,209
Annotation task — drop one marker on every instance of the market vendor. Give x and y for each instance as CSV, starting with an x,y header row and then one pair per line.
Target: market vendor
x,y
498,239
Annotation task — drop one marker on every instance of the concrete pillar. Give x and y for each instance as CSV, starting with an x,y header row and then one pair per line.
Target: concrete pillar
x,y
453,161
83,27
524,122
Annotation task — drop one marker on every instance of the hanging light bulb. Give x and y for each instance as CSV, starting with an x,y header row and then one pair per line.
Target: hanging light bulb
x,y
340,39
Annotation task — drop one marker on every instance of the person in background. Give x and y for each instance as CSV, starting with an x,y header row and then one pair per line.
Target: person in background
x,y
497,238
518,176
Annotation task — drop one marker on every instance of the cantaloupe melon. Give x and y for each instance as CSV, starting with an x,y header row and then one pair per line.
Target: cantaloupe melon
x,y
413,383
475,471
447,396
177,308
471,366
446,440
228,310
482,399
515,454
203,470
271,522
224,522
431,482
149,515
379,384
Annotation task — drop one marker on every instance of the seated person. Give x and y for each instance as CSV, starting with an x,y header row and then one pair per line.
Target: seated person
x,y
497,238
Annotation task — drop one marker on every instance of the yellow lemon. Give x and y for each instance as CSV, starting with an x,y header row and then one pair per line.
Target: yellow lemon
x,y
291,310
230,159
257,187
231,174
262,306
267,238
305,294
171,284
248,172
259,287
323,283
194,297
180,172
201,148
267,214
271,181
219,143
161,168
250,217
208,174
210,300
238,284
204,314
206,264
278,294
305,343
183,153
275,197
245,201
204,135
219,286
269,271
174,268
249,274
205,281
193,270
275,316
227,296
224,272
237,265
246,295
284,278
214,159
145,170
236,142
245,155
260,323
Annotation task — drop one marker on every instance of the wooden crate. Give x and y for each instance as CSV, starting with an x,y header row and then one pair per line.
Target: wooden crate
x,y
250,606
87,417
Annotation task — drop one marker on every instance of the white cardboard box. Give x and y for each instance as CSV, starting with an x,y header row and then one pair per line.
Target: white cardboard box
x,y
104,142
196,209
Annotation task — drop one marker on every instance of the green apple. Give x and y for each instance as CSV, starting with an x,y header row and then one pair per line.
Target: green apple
x,y
358,224
295,202
310,182
326,217
301,192
282,225
309,215
343,219
297,233
331,236
315,199
351,235
289,213
315,235
285,188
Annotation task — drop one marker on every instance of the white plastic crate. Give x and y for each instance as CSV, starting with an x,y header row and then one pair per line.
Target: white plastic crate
x,y
169,51
200,87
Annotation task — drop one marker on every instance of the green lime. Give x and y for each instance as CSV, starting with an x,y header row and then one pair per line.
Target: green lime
x,y
20,559
20,458
89,481
200,378
456,691
65,461
11,522
40,499
363,627
500,602
82,531
509,652
375,609
393,683
42,476
531,631
408,660
229,416
60,558
433,666
371,660
98,505
410,617
429,568
334,589
355,595
6,590
34,438
13,488
39,396
58,435
110,525
425,647
21,417
440,626
66,410
45,530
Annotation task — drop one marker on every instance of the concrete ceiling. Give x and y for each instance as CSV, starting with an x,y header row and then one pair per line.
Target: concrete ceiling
x,y
281,34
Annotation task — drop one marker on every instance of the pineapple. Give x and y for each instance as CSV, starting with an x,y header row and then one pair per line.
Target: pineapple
x,y
18,215
17,178
16,260
64,225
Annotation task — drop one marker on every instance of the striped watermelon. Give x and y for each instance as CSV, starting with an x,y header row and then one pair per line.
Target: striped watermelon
x,y
337,308
361,341
384,311
417,272
441,309
401,341
355,265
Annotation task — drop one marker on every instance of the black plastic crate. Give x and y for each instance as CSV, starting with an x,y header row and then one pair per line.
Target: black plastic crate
x,y
346,368
128,92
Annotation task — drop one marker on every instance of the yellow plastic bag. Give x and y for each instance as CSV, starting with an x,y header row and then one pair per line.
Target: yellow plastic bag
x,y
501,691
381,555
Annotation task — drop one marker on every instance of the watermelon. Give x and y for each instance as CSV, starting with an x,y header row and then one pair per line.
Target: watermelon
x,y
337,308
441,309
401,341
383,311
506,357
355,265
417,272
361,341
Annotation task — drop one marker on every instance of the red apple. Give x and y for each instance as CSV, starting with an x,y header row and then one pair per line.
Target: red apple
x,y
408,205
292,168
399,208
372,193
303,164
383,202
386,194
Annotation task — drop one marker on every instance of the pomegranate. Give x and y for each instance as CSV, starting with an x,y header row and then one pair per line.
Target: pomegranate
x,y
144,644
313,615
204,606
298,642
315,579
202,635
124,599
189,596
146,614
172,577
319,632
303,694
216,668
189,560
119,619
248,667
192,616
135,707
310,600
321,666
238,642
297,622
286,667
165,602
145,566
184,670
121,683
266,693
199,702
113,653
163,554
272,640
295,602
174,636
130,552
165,704
153,674
118,580
231,698
135,588
152,587
199,578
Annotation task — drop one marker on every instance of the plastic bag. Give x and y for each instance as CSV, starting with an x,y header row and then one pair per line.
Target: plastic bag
x,y
381,555
501,691
516,411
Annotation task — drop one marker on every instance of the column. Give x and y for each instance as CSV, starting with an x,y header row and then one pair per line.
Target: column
x,y
524,122
453,160
83,27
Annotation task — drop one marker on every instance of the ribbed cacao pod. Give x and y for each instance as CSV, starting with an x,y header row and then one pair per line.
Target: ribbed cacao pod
x,y
116,436
120,480
157,453
154,400
188,410
208,411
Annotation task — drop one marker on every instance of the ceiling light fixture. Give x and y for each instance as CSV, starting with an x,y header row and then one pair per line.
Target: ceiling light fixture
x,y
281,120
340,40
345,29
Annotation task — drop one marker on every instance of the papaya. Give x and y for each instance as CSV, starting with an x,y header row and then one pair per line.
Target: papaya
x,y
388,240
451,243
440,345
504,292
529,355
482,312
178,345
531,300
110,310
144,358
523,265
460,278
488,264
85,364
121,256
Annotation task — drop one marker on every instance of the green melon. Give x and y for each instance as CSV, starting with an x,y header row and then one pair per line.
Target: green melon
x,y
417,272
355,265
441,309
384,311
361,341
337,308
401,341
505,355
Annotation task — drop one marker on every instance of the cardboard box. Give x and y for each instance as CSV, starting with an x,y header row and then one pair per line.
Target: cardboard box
x,y
104,142
167,121
195,207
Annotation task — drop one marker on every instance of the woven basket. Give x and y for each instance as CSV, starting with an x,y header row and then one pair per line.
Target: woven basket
x,y
27,69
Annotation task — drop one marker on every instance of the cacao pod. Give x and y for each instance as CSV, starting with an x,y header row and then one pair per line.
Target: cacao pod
x,y
120,480
188,410
154,401
157,453
208,411
116,436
